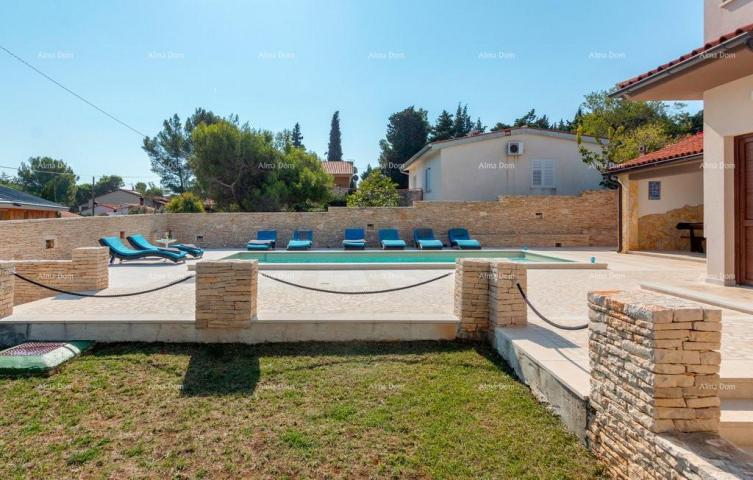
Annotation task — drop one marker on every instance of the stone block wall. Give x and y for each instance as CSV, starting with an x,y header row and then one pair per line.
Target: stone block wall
x,y
654,370
659,231
507,308
588,219
226,293
7,281
487,296
56,238
86,271
472,297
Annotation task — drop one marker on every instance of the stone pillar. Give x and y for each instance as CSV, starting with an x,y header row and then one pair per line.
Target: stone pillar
x,y
506,306
654,369
226,293
7,283
90,268
472,297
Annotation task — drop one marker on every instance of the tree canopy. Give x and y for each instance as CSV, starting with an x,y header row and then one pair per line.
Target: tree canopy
x,y
170,150
407,133
241,169
377,190
48,178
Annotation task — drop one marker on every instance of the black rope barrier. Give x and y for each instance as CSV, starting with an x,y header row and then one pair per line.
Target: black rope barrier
x,y
367,292
555,325
114,295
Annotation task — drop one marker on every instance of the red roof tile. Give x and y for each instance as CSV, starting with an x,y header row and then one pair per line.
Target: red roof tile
x,y
338,168
696,52
692,145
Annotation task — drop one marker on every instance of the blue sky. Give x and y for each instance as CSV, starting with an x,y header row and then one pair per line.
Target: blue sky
x,y
277,63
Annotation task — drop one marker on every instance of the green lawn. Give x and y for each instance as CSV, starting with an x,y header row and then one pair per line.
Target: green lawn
x,y
407,410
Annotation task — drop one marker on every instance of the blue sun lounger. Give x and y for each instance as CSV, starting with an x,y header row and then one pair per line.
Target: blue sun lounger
x,y
390,239
355,239
302,240
265,240
460,238
140,243
118,250
424,239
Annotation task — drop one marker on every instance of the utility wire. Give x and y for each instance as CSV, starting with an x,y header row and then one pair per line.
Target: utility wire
x,y
70,91
6,167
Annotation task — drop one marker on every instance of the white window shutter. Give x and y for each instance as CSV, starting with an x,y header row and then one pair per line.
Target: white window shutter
x,y
536,173
547,174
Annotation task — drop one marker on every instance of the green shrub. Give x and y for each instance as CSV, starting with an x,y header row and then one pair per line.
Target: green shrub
x,y
185,203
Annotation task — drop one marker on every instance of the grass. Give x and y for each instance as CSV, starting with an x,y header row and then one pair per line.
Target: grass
x,y
408,410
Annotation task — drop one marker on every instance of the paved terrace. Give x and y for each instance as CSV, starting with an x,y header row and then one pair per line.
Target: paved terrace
x,y
559,294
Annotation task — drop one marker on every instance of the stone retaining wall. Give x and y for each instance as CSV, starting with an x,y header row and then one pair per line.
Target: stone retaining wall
x,y
654,370
86,271
589,219
226,293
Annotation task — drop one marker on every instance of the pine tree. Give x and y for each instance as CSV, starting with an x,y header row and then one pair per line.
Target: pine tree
x,y
462,123
443,129
297,137
479,127
334,148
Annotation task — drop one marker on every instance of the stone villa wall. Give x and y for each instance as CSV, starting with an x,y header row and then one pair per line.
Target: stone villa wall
x,y
654,370
86,271
226,292
659,231
487,296
589,219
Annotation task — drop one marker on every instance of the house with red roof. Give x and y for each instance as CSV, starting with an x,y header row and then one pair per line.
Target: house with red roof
x,y
660,190
341,172
720,73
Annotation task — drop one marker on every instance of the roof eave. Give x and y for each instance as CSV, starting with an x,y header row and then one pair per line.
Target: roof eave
x,y
705,56
685,158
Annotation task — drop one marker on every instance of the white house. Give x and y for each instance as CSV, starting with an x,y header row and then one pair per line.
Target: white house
x,y
719,72
517,161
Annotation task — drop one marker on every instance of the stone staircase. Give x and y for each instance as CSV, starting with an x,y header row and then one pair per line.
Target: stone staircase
x,y
736,423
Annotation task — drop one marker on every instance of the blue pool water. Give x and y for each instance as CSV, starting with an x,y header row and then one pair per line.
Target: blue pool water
x,y
388,256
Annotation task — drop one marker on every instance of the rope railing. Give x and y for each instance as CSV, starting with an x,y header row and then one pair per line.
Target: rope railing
x,y
554,324
363,292
92,295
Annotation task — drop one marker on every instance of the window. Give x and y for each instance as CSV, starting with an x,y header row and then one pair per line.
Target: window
x,y
654,190
427,180
542,173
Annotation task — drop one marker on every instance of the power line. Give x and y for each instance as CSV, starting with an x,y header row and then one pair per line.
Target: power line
x,y
69,90
5,167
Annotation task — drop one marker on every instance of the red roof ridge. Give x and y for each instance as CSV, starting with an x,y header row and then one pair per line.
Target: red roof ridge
x,y
707,46
685,147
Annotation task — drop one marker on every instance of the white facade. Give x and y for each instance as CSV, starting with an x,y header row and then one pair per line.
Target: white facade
x,y
480,169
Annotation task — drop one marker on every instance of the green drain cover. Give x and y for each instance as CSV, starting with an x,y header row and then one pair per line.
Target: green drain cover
x,y
39,358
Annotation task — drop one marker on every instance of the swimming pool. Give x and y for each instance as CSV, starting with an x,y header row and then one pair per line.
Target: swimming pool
x,y
391,256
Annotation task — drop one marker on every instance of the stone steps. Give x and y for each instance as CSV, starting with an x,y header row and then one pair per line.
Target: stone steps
x,y
736,423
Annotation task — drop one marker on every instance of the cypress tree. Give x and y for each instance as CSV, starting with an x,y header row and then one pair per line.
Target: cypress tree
x,y
334,148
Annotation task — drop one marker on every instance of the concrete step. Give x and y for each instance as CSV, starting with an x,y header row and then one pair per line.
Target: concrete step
x,y
736,423
735,388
